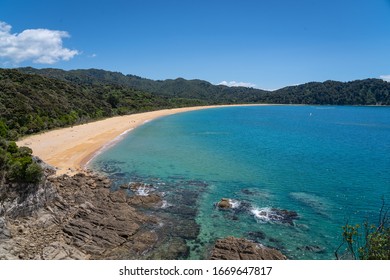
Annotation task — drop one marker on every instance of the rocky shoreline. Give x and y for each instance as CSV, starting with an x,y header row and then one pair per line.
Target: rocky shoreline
x,y
232,248
74,218
81,217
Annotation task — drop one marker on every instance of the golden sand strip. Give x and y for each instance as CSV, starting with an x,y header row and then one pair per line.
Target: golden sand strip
x,y
69,149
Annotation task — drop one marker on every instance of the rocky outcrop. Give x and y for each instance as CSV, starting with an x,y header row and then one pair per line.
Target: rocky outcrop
x,y
224,203
276,215
232,248
146,201
263,215
228,203
143,196
75,217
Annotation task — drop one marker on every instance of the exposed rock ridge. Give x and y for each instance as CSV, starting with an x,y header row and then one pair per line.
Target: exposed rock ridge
x,y
72,218
232,248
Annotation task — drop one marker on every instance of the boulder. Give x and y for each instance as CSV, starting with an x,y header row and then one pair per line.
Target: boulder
x,y
224,203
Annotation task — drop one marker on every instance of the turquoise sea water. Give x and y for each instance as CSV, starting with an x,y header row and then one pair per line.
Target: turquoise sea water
x,y
328,164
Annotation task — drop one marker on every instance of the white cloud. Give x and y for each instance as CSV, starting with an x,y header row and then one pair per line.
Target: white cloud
x,y
236,84
39,45
385,78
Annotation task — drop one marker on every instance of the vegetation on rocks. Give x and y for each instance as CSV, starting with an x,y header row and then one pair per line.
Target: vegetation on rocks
x,y
367,241
17,164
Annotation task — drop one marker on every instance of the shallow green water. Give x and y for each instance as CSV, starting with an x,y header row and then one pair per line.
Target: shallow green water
x,y
328,164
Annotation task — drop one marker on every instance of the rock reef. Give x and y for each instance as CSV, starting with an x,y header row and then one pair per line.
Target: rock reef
x,y
84,217
232,248
75,217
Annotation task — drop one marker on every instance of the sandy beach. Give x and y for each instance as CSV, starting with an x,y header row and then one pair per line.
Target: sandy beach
x,y
69,149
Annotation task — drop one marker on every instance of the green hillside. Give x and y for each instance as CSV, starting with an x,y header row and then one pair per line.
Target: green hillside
x,y
360,92
31,103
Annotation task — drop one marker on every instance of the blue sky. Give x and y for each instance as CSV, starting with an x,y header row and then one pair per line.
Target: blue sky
x,y
265,43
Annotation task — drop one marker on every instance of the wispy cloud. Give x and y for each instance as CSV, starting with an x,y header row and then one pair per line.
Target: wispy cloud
x,y
385,78
236,84
39,45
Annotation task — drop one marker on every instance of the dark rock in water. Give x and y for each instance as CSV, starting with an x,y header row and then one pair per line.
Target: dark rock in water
x,y
146,201
175,248
186,229
196,183
182,211
273,240
232,248
140,188
243,207
119,175
256,235
142,196
276,215
278,243
287,216
248,192
312,248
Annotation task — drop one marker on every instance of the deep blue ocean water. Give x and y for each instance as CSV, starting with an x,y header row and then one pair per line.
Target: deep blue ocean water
x,y
328,164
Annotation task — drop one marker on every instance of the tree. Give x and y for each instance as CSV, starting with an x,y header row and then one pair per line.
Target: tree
x,y
34,173
3,129
113,100
367,242
12,147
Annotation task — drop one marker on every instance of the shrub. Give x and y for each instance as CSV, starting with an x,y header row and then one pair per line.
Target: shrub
x,y
12,147
34,173
368,242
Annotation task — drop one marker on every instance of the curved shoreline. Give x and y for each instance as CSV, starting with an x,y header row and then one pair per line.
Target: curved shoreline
x,y
70,149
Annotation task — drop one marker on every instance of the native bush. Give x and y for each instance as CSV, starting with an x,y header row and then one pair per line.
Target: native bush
x,y
367,241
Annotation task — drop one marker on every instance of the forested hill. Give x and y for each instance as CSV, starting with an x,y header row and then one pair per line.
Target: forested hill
x,y
32,103
360,92
179,88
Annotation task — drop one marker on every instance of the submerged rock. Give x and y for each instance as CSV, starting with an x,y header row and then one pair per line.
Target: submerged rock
x,y
140,188
176,248
312,248
232,248
256,235
275,215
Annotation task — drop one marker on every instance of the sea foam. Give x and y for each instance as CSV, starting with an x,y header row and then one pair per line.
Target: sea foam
x,y
265,215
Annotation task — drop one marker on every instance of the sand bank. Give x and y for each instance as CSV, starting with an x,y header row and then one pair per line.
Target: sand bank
x,y
69,149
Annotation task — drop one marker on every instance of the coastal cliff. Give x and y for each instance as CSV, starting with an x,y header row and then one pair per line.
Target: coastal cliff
x,y
74,217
